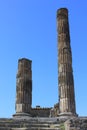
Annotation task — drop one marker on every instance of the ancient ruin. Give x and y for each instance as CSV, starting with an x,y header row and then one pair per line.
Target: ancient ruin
x,y
66,105
24,86
65,71
63,115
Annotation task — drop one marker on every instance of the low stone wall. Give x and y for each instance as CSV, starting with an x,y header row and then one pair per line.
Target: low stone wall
x,y
79,123
40,112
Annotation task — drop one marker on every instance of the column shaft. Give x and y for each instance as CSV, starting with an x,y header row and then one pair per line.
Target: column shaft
x,y
24,86
65,72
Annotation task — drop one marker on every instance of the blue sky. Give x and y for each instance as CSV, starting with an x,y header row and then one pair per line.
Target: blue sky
x,y
28,29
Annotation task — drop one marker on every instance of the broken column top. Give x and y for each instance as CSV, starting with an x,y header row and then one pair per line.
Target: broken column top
x,y
24,59
62,12
24,63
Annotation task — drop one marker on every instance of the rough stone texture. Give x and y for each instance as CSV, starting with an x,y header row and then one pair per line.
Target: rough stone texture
x,y
65,109
40,112
66,105
24,86
31,124
79,123
65,72
43,123
54,112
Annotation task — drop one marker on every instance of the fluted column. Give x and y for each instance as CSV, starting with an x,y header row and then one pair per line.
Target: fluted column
x,y
24,86
65,72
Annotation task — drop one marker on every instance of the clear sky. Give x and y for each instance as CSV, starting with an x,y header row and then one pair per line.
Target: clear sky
x,y
28,29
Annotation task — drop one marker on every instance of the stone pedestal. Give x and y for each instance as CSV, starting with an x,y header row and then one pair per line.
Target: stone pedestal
x,y
21,115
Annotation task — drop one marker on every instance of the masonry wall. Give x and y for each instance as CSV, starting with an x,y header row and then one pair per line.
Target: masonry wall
x,y
40,112
79,123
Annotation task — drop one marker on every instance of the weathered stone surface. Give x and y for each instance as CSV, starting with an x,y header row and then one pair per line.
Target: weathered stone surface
x,y
46,118
24,86
79,123
66,105
40,112
65,73
30,124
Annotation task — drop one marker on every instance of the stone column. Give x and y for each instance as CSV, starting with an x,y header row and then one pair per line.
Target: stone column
x,y
24,86
65,72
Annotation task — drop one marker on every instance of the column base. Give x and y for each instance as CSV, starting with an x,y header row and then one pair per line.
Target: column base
x,y
67,115
22,115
